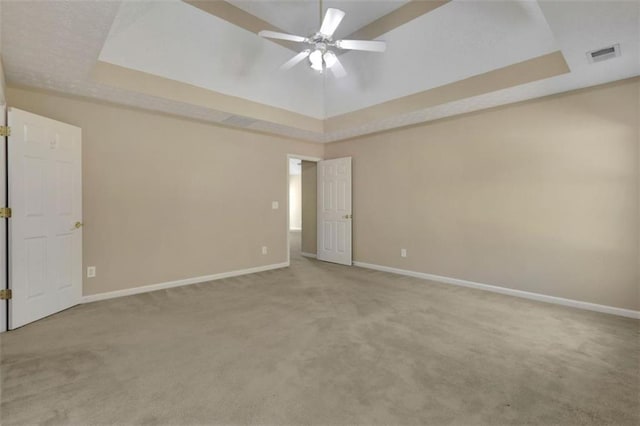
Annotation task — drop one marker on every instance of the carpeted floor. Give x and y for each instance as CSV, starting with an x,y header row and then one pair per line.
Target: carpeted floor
x,y
318,343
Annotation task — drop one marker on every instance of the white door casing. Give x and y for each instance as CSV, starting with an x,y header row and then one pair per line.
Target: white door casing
x,y
334,211
45,234
3,229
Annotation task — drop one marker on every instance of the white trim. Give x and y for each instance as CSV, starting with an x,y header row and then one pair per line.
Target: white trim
x,y
304,157
179,283
4,304
311,255
508,291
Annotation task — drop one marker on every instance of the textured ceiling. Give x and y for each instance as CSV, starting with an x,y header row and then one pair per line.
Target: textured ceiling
x,y
55,46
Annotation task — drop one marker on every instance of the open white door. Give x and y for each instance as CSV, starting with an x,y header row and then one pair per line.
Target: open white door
x,y
45,234
334,210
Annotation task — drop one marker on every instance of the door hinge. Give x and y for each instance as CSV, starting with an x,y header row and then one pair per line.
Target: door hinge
x,y
5,294
5,131
5,212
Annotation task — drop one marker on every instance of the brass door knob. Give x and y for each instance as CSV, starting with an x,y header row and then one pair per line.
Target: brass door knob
x,y
78,225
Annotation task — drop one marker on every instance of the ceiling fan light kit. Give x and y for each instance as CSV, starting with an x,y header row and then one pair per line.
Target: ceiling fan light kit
x,y
315,58
321,55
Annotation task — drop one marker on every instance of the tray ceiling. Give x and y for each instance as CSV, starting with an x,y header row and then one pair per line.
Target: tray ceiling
x,y
452,57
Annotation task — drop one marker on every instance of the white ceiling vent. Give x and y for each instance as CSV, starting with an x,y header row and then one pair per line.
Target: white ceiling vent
x,y
239,121
603,54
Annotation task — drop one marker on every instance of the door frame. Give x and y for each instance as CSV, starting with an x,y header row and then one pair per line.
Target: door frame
x,y
4,224
302,158
4,305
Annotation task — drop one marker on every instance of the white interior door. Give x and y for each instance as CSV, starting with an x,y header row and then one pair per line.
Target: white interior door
x,y
45,234
334,210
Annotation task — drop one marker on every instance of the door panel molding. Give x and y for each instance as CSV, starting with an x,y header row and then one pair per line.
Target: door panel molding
x,y
45,195
335,211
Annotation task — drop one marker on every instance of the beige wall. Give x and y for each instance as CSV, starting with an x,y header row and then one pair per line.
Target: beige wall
x,y
309,209
540,196
3,86
166,198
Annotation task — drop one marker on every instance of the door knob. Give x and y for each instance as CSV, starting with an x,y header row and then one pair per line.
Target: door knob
x,y
348,216
78,225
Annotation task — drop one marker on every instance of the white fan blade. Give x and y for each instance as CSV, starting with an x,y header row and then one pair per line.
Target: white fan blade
x,y
337,69
295,60
282,36
367,45
331,20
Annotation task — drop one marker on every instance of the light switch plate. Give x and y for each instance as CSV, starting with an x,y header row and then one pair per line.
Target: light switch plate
x,y
91,271
403,252
275,205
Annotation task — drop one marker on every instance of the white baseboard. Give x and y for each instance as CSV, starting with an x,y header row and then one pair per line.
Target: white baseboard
x,y
509,291
179,283
311,255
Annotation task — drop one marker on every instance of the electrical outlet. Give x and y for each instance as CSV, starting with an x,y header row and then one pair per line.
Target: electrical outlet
x,y
264,249
91,271
403,252
275,205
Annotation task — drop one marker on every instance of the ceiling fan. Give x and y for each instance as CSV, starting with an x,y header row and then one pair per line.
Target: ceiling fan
x,y
321,45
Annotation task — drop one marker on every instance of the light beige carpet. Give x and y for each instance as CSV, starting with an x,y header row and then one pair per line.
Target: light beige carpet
x,y
322,344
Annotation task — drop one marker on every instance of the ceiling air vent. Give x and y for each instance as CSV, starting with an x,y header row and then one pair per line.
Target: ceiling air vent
x,y
238,121
604,53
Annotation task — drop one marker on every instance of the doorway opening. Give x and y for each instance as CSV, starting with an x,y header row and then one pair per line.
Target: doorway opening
x,y
301,206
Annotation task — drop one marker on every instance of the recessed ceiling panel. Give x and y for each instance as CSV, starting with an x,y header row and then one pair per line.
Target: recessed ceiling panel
x,y
455,41
174,40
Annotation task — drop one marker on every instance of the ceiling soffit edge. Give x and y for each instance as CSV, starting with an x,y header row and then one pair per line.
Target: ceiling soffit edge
x,y
161,87
534,69
541,67
306,138
360,135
